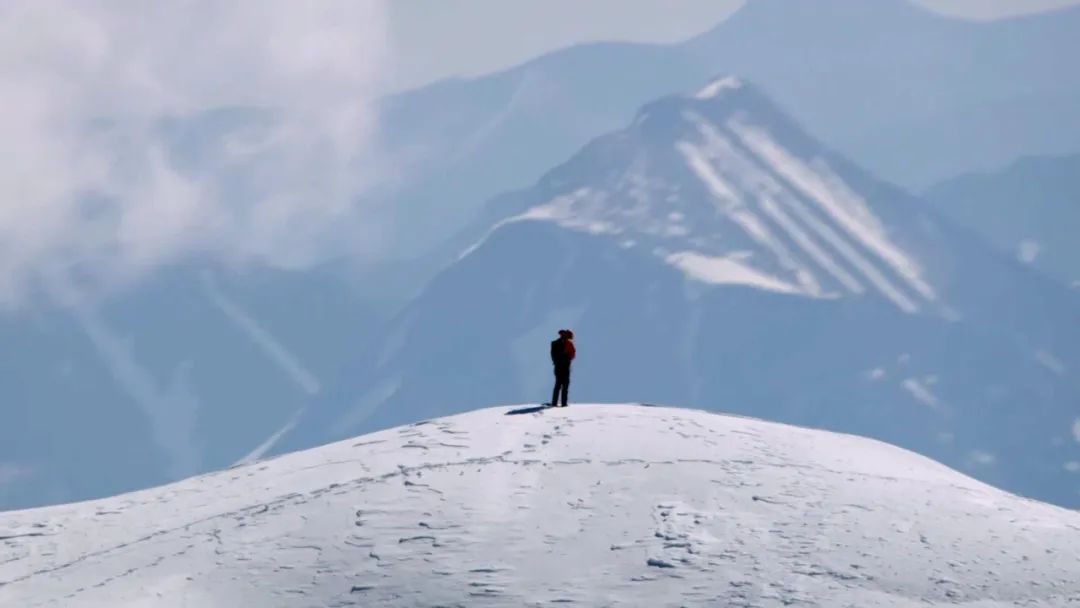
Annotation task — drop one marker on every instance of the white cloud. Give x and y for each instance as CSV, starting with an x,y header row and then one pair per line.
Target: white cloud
x,y
136,134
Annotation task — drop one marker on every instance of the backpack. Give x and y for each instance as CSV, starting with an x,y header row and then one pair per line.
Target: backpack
x,y
562,351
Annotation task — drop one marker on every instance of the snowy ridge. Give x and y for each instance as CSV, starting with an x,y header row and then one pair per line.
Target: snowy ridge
x,y
718,86
593,505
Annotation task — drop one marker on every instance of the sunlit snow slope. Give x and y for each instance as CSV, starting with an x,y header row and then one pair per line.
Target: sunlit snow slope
x,y
590,506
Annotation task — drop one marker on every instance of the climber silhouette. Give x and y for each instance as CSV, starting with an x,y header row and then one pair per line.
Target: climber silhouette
x,y
562,355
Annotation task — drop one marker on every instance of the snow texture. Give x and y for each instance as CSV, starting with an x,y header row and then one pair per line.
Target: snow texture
x,y
718,86
726,270
589,506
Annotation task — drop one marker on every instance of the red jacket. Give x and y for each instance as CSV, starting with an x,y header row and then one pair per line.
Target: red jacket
x,y
562,352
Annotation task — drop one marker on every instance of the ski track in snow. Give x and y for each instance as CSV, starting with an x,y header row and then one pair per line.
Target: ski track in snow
x,y
587,506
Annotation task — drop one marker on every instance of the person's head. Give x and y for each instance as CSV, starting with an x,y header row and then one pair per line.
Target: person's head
x,y
566,334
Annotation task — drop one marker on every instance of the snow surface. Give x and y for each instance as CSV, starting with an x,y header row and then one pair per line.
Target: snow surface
x,y
718,86
726,270
589,506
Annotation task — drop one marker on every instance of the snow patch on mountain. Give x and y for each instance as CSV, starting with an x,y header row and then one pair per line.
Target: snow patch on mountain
x,y
843,206
582,210
921,392
981,458
736,209
1050,362
718,86
1027,251
726,270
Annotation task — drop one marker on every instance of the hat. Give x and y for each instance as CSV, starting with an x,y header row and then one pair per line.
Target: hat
x,y
566,333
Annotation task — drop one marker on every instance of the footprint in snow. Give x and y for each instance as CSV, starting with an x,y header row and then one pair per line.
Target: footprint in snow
x,y
659,563
361,588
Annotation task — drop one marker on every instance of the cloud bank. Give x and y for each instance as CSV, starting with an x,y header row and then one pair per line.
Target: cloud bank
x,y
137,134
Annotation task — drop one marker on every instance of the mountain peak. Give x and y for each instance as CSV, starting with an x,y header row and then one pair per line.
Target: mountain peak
x,y
724,186
719,100
718,86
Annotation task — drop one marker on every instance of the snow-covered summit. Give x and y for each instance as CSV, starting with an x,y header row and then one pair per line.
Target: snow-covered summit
x,y
592,505
718,86
725,179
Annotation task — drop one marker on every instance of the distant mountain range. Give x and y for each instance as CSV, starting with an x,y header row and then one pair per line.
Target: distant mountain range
x,y
714,254
914,96
1030,210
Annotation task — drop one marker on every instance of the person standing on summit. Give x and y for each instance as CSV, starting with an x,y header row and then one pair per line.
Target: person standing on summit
x,y
562,354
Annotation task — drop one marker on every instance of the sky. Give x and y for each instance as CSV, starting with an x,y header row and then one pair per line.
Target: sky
x,y
434,40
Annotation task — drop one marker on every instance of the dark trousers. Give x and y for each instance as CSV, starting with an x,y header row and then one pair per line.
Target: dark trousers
x,y
562,386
